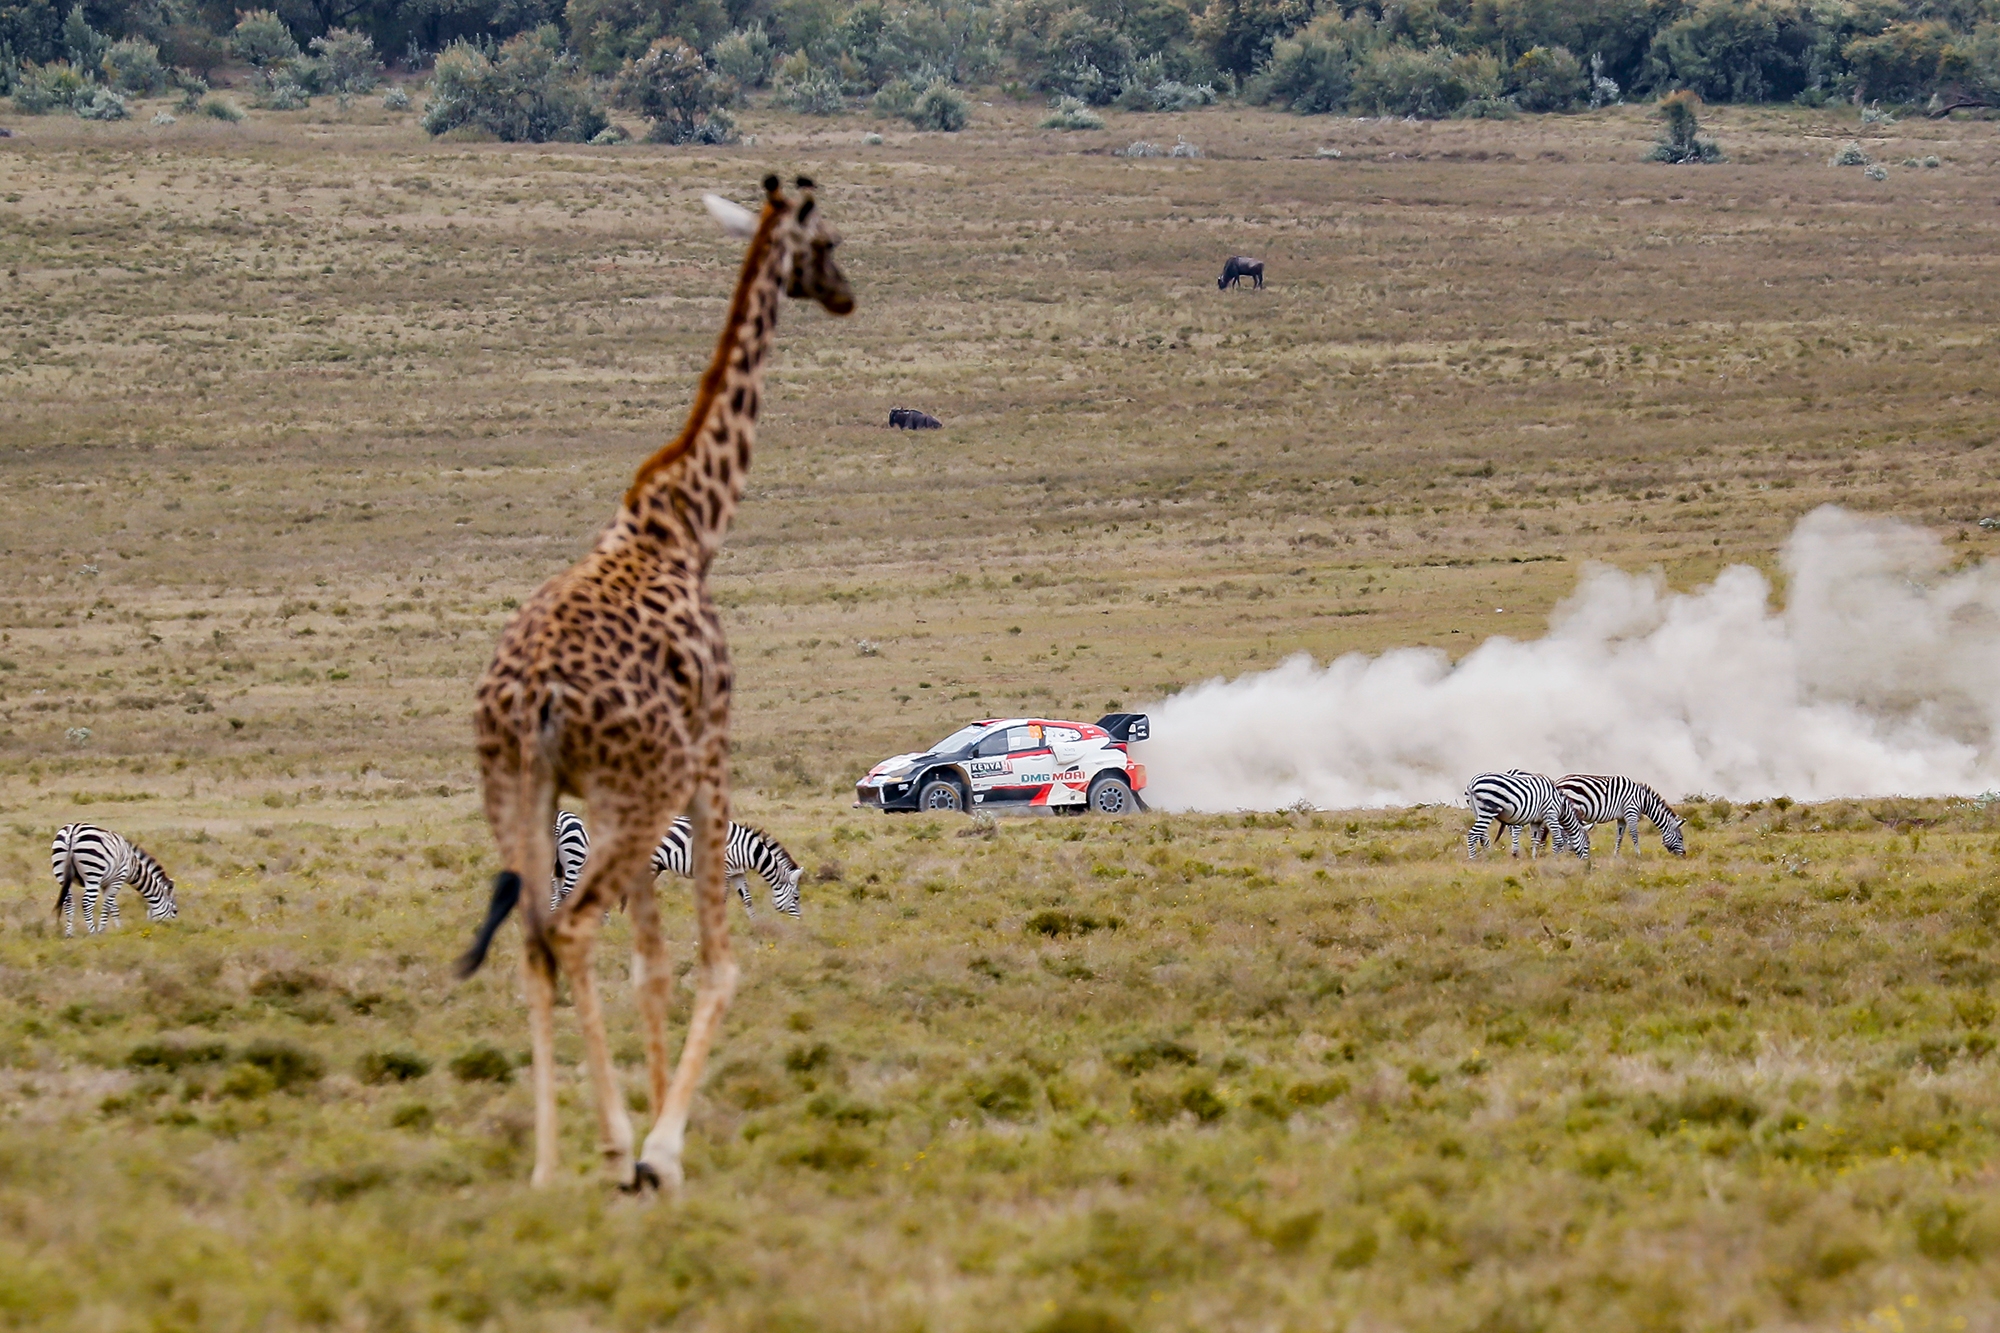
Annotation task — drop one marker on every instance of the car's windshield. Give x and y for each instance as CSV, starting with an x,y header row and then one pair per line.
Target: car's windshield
x,y
961,738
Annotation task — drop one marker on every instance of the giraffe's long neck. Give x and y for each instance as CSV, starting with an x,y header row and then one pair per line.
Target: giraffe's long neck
x,y
691,485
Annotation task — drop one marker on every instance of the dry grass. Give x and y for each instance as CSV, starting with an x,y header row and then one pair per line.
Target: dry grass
x,y
294,411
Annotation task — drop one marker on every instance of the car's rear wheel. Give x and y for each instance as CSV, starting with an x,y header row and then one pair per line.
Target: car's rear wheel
x,y
940,794
1111,795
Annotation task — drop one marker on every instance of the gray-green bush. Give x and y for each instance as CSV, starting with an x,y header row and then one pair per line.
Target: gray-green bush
x,y
813,92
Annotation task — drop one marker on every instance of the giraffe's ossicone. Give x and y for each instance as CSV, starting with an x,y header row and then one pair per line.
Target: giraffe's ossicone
x,y
612,683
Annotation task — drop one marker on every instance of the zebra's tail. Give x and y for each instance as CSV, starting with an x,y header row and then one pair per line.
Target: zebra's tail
x,y
506,893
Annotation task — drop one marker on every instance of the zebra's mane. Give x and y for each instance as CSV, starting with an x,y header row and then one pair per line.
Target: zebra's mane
x,y
771,844
143,863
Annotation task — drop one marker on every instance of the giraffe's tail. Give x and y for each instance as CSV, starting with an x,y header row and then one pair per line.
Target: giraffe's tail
x,y
506,893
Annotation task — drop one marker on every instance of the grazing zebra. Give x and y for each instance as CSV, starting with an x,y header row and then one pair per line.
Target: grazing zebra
x,y
748,848
1514,799
102,863
1599,800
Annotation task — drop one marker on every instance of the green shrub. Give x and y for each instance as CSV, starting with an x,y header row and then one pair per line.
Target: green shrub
x,y
134,66
347,64
221,108
1547,78
395,100
261,40
941,107
1312,71
743,56
482,1064
529,91
895,98
1850,155
1431,84
47,88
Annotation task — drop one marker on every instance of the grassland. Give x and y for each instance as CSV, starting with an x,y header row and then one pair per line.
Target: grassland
x,y
292,412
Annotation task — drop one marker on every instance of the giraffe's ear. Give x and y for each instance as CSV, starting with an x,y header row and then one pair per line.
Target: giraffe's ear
x,y
734,218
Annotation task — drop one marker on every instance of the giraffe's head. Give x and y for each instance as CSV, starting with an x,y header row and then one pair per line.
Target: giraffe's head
x,y
801,239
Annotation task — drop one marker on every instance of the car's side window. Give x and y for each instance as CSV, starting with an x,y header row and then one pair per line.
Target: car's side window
x,y
991,745
1063,735
1020,739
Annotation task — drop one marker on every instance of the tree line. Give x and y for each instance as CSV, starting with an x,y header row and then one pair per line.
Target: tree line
x,y
683,62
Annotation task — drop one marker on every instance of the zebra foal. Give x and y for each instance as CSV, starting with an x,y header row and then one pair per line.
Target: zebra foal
x,y
747,849
101,863
1515,799
1599,800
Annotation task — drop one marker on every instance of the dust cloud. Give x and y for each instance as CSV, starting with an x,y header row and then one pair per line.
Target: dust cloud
x,y
1879,676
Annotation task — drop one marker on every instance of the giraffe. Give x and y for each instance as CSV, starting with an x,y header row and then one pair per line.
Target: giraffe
x,y
612,683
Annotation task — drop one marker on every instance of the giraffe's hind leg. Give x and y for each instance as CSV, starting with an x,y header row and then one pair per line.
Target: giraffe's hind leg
x,y
520,798
616,870
715,978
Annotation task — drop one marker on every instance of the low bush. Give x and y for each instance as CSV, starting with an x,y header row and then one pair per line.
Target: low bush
x,y
392,1067
221,108
1850,154
1070,113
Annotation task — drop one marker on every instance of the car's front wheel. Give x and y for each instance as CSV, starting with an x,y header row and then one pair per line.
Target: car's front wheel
x,y
1111,795
940,794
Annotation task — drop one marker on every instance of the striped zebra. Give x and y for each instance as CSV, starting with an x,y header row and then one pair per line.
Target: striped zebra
x,y
748,848
101,863
1600,800
1516,799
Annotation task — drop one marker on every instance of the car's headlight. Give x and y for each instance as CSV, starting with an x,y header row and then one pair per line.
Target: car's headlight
x,y
899,772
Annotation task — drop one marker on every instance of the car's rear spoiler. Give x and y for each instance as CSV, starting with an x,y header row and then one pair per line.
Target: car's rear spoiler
x,y
1125,726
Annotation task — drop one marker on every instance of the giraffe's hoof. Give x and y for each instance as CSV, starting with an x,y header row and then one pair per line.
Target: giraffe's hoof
x,y
645,1181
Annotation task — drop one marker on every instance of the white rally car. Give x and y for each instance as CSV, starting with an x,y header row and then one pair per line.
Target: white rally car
x,y
1017,763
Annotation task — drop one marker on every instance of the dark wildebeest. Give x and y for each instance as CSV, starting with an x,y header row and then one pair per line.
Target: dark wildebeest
x,y
1239,268
908,418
